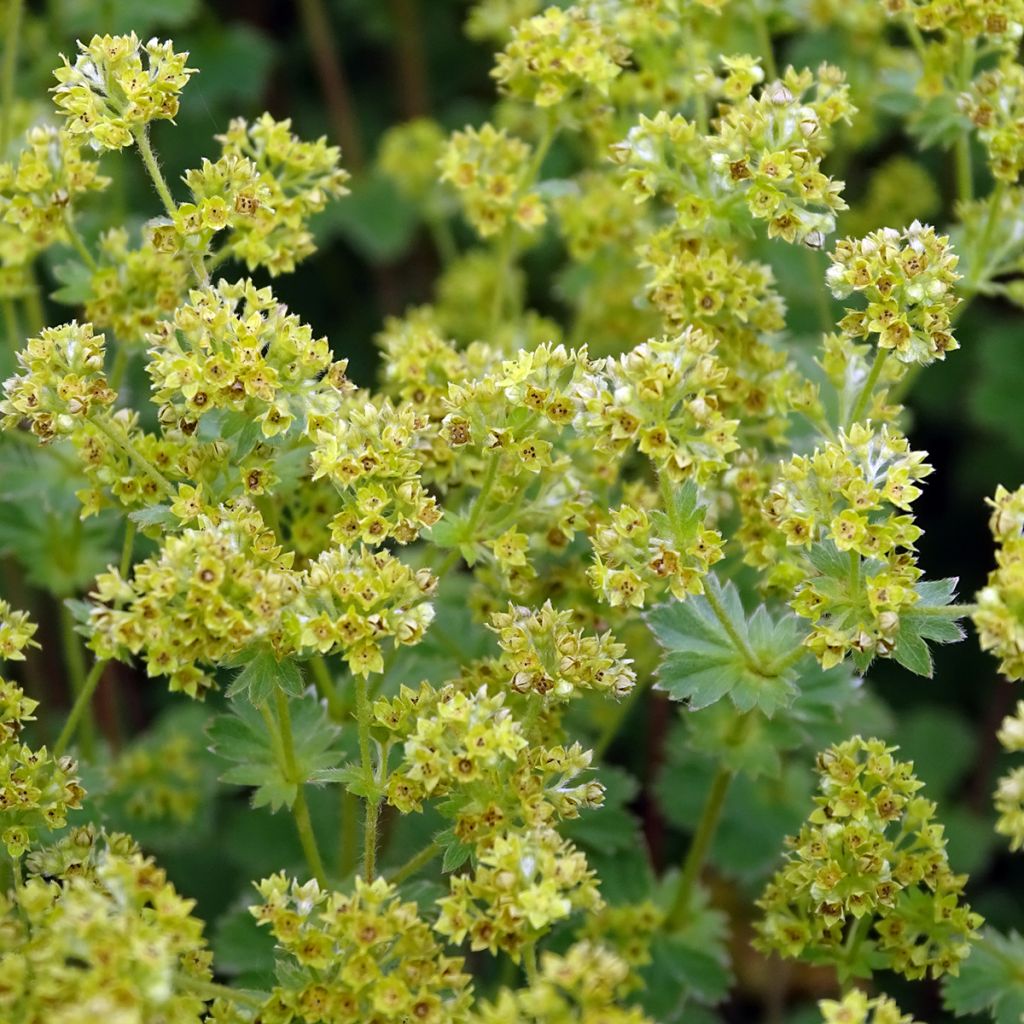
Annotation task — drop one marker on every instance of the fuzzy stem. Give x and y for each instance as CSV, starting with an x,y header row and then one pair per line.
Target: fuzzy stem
x,y
706,828
372,805
764,41
530,963
141,136
326,688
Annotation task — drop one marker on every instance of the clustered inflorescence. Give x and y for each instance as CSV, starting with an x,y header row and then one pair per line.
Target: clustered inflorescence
x,y
460,559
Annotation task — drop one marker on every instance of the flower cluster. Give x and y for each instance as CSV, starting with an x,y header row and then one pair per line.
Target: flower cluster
x,y
581,986
38,191
765,152
491,171
98,933
468,748
995,105
850,500
1009,798
227,586
544,655
133,288
907,278
264,188
16,632
36,788
117,86
160,780
662,398
524,883
555,55
62,382
374,453
856,1007
998,617
871,851
637,552
1000,20
359,957
234,347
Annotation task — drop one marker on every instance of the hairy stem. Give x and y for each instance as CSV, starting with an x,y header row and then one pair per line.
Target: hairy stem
x,y
81,706
74,663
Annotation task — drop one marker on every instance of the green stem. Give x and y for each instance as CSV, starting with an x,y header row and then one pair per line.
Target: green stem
x,y
124,443
858,933
444,240
285,746
10,70
530,963
74,662
141,136
723,617
482,495
326,688
79,708
12,326
369,780
413,864
76,240
126,549
348,853
915,37
120,364
706,828
945,611
860,406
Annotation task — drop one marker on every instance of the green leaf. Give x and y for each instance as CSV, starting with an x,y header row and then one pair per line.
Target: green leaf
x,y
76,283
262,674
241,737
991,979
911,651
375,219
703,663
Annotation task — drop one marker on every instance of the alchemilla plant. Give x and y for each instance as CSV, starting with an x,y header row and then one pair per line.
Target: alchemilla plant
x,y
419,612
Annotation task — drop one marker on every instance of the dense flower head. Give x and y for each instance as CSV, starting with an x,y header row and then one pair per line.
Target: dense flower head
x,y
764,153
596,215
359,956
871,849
490,170
133,288
236,348
524,882
118,85
581,986
226,585
995,105
106,938
264,189
61,384
16,633
662,397
544,655
373,453
38,190
999,618
466,746
159,778
856,491
907,278
554,55
36,789
637,555
856,1007
1002,21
